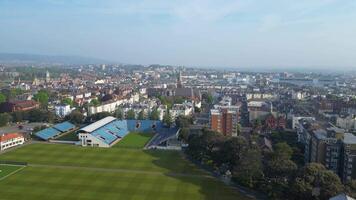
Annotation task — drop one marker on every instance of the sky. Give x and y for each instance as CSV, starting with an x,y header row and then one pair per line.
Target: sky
x,y
210,33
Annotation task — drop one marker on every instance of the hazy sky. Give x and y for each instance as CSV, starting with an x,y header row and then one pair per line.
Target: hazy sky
x,y
247,33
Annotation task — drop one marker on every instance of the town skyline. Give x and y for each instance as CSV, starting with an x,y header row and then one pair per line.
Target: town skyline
x,y
249,34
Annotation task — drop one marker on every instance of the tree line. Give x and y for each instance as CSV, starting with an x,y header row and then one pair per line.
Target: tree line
x,y
273,173
35,115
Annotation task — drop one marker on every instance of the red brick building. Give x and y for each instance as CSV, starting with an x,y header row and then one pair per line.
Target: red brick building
x,y
224,121
13,106
272,122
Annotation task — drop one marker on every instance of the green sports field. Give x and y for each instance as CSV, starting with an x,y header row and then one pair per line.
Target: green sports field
x,y
57,171
7,170
135,140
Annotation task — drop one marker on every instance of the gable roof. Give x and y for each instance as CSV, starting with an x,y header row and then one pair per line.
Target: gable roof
x,y
9,136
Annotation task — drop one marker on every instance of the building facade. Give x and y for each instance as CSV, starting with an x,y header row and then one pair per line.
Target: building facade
x,y
224,117
62,110
224,121
332,147
9,140
14,106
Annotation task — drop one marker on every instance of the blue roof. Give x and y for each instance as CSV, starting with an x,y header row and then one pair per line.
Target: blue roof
x,y
64,127
56,130
47,133
105,136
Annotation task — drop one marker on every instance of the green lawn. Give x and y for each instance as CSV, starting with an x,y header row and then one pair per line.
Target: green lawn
x,y
135,140
71,136
58,171
6,170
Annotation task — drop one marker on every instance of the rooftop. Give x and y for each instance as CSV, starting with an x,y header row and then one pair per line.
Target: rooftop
x,y
349,138
9,136
92,127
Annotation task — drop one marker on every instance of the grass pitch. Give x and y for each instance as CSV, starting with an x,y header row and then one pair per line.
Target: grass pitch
x,y
71,136
135,140
8,170
57,171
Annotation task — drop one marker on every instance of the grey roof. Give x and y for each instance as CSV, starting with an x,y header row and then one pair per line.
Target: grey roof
x,y
320,134
341,197
349,138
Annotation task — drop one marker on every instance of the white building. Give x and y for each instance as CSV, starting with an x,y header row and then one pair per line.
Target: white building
x,y
299,95
259,110
185,109
62,110
296,121
9,140
348,122
106,107
88,139
87,94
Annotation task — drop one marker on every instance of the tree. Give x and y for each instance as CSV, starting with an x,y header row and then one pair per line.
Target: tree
x,y
351,188
314,180
248,171
18,116
95,102
178,100
14,92
154,115
184,134
42,97
167,119
278,174
68,101
195,147
279,170
238,129
141,115
231,152
5,118
278,165
75,117
97,116
208,98
2,98
282,151
119,113
257,124
38,115
39,128
184,121
130,114
165,101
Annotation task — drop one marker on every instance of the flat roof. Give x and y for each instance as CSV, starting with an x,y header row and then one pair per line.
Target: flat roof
x,y
92,127
349,138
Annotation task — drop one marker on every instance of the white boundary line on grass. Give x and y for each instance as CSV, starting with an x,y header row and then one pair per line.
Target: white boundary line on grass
x,y
12,173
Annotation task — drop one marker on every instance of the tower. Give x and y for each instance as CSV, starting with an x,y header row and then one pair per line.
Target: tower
x,y
48,77
179,80
35,81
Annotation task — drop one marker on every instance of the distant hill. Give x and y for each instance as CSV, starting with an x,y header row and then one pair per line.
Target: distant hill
x,y
16,58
